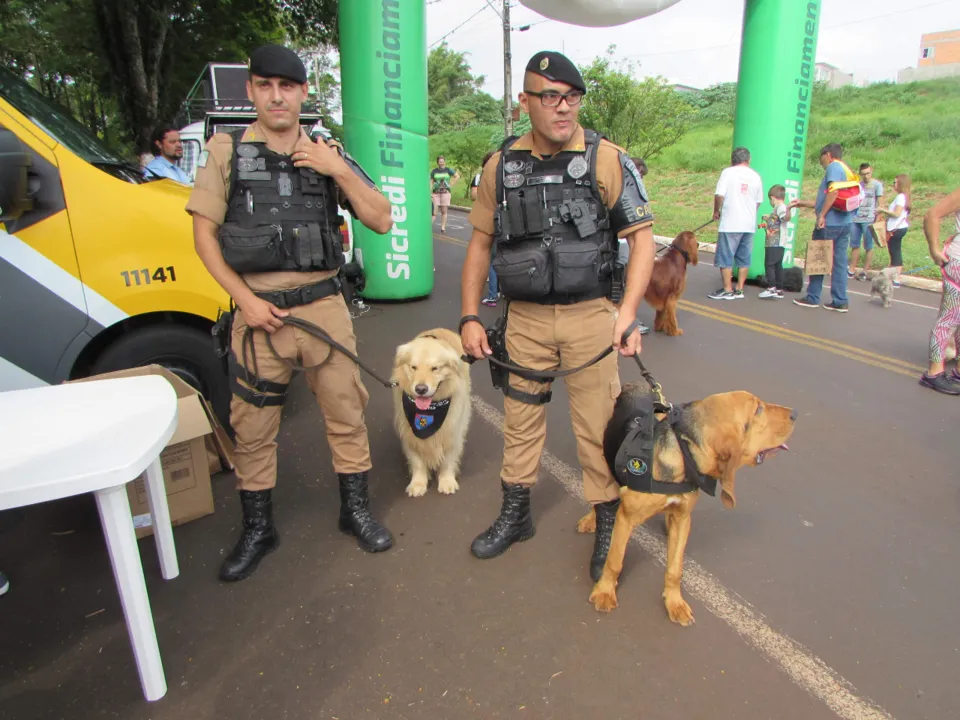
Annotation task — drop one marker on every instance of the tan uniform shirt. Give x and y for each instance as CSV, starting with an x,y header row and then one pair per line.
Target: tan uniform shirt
x,y
209,199
609,180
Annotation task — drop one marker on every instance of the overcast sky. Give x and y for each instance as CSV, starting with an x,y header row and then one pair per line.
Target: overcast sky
x,y
695,42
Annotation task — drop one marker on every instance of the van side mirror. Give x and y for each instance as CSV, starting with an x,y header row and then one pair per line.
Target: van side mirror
x,y
15,195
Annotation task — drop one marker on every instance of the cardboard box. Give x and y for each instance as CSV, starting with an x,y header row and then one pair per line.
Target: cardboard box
x,y
199,448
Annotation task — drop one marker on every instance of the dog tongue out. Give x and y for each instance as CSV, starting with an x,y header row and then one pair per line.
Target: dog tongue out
x,y
422,403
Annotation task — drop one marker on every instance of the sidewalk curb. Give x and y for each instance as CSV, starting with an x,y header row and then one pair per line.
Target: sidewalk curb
x,y
910,281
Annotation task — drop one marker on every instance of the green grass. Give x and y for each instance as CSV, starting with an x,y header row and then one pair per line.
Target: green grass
x,y
912,128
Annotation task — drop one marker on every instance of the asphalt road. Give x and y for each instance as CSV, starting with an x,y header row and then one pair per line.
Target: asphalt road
x,y
829,591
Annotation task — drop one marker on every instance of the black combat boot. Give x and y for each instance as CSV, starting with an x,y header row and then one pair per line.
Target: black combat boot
x,y
606,513
259,536
515,524
355,518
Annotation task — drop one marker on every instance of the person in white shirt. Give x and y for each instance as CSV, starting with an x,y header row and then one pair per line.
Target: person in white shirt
x,y
738,197
167,149
898,222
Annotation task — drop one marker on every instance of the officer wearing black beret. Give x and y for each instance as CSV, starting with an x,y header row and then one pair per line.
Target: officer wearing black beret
x,y
266,224
556,201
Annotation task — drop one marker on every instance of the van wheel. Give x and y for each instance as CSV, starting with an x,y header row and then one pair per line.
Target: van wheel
x,y
184,351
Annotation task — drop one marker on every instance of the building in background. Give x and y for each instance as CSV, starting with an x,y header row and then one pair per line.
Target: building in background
x,y
939,57
833,76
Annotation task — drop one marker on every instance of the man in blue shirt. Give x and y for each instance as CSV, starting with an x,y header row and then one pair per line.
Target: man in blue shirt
x,y
167,149
833,225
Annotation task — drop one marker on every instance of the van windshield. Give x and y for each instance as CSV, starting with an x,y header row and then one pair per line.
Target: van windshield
x,y
55,121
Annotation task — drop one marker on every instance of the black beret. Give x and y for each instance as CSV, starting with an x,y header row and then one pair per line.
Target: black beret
x,y
277,61
556,67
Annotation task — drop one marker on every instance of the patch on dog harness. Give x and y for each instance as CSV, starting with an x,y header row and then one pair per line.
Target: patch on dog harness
x,y
424,422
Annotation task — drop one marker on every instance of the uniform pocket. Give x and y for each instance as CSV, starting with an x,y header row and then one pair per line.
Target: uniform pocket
x,y
251,249
576,267
523,274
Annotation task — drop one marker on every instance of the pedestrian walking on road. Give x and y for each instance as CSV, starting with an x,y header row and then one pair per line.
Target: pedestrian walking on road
x,y
946,330
863,221
557,316
832,224
898,222
258,189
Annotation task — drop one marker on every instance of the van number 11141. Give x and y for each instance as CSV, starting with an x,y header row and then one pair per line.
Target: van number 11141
x,y
132,277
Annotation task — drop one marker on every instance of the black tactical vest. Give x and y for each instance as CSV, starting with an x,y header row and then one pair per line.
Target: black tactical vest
x,y
552,231
279,217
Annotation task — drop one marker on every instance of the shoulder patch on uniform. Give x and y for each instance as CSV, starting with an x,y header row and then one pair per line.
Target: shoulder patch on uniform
x,y
202,160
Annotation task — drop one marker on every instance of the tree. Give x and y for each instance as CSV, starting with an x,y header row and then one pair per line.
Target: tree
x,y
454,98
643,116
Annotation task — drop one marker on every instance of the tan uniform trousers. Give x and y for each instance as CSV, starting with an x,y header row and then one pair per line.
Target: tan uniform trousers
x,y
332,376
559,337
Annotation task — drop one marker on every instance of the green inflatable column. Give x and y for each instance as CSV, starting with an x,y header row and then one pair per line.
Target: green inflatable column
x,y
383,67
774,94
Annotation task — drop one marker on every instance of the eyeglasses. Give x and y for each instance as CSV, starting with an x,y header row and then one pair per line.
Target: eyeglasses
x,y
552,99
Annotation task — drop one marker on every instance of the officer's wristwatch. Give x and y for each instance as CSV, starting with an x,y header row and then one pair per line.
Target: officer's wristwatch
x,y
468,318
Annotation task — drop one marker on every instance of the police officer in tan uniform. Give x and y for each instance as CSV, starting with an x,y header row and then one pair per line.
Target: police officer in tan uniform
x,y
555,201
266,225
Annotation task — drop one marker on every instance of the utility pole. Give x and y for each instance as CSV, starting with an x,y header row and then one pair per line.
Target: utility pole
x,y
507,80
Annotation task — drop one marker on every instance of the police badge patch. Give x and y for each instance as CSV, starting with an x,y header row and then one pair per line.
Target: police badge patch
x,y
247,150
245,164
513,181
636,466
578,167
514,166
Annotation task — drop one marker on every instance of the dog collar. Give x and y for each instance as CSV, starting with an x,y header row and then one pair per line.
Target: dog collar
x,y
684,253
425,423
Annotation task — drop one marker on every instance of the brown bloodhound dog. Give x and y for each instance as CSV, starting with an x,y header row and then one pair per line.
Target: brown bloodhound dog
x,y
668,281
724,432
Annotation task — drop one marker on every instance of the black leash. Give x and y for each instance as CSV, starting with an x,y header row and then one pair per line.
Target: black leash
x,y
321,334
671,246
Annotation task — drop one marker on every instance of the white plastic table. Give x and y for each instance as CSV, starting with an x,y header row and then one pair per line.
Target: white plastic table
x,y
96,436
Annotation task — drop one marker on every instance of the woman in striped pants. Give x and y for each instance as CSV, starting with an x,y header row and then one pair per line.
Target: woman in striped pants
x,y
945,336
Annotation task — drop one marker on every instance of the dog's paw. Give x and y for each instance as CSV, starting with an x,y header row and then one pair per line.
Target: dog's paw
x,y
417,487
588,523
603,600
678,610
447,484
676,332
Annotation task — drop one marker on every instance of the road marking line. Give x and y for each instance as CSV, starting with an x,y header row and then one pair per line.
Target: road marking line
x,y
800,665
761,326
850,352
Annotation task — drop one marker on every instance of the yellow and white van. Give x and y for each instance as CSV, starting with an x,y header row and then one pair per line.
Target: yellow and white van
x,y
97,266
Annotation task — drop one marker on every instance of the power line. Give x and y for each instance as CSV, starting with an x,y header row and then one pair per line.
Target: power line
x,y
444,37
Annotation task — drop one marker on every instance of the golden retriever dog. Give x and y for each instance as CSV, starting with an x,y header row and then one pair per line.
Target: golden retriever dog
x,y
725,432
432,407
668,281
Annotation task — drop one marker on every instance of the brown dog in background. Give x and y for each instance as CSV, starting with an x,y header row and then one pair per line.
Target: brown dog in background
x,y
669,280
725,431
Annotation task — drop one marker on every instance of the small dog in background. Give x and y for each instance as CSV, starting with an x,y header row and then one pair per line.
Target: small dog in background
x,y
432,408
882,286
668,281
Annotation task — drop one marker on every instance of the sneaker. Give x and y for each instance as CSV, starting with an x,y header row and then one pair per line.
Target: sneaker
x,y
861,276
850,273
940,383
806,302
896,283
4,584
642,328
489,301
738,294
768,293
779,294
955,375
836,307
721,294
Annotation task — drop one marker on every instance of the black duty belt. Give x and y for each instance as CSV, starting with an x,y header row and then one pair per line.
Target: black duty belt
x,y
305,295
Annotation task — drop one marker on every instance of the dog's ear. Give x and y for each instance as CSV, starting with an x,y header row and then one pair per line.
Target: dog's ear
x,y
693,250
402,356
729,454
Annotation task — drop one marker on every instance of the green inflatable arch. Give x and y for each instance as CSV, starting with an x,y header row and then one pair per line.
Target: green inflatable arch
x,y
384,72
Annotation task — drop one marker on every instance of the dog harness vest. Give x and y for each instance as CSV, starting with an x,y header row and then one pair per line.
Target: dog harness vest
x,y
555,240
634,459
279,217
425,423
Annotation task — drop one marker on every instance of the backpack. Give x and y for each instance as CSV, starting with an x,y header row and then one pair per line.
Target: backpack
x,y
849,191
